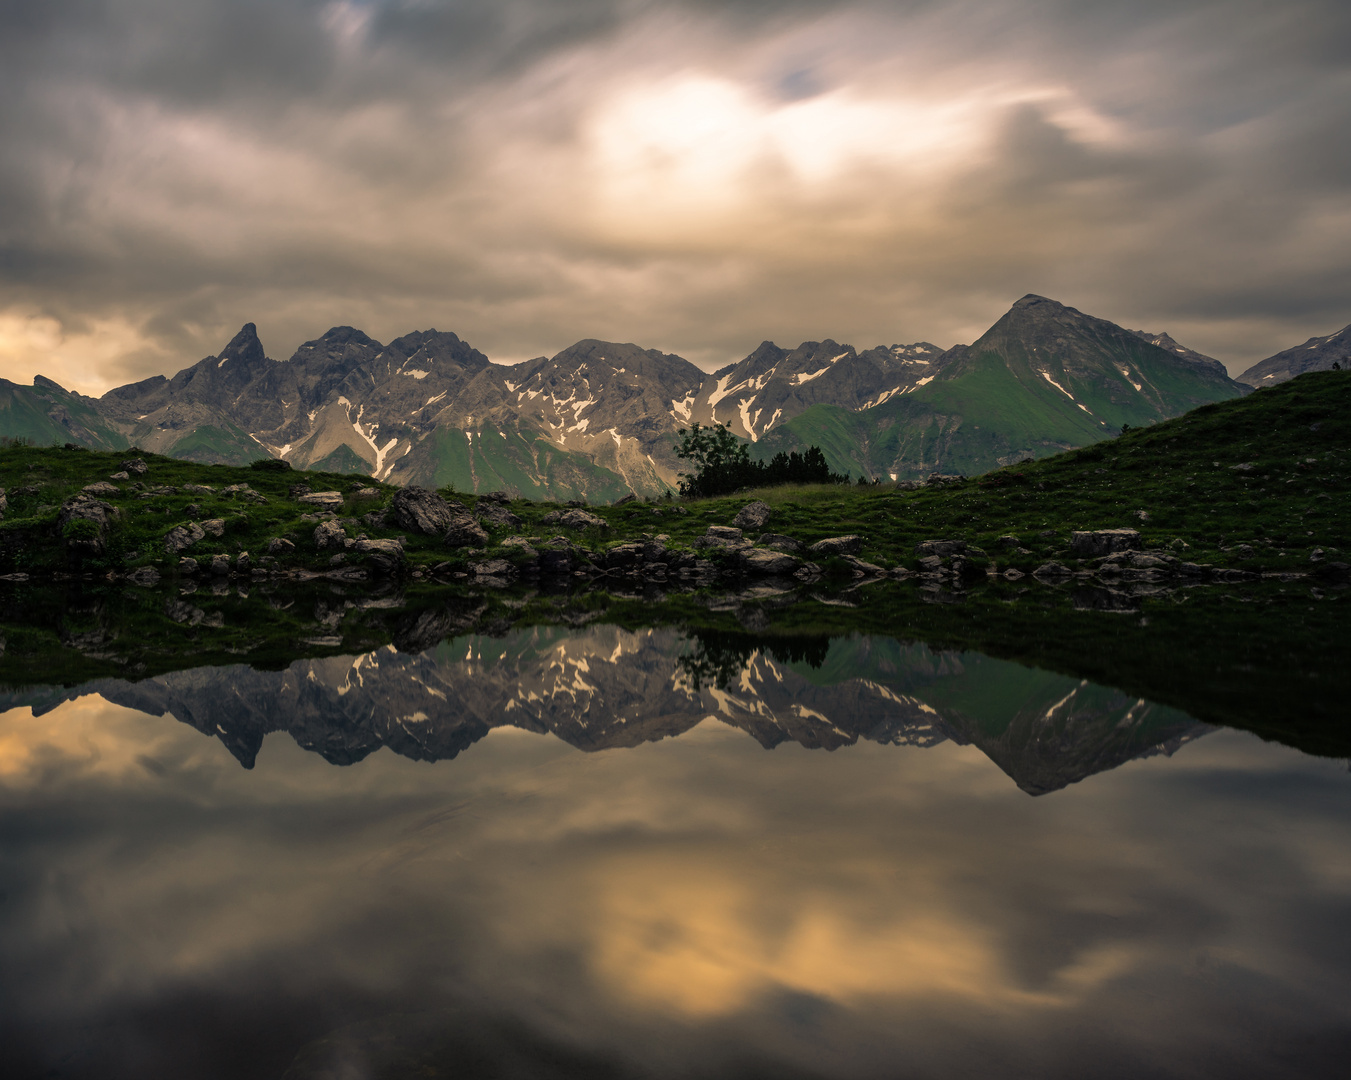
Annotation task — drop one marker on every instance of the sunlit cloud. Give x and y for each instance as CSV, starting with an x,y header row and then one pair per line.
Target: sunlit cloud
x,y
689,177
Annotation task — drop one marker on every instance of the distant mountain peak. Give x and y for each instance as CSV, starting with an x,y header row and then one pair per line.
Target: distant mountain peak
x,y
244,347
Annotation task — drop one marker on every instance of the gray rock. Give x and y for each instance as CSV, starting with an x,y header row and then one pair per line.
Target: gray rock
x,y
723,532
1052,570
145,576
762,561
326,500
944,548
366,493
466,532
182,537
84,507
837,545
420,510
385,556
243,564
214,527
557,561
623,556
198,489
496,516
861,568
492,568
754,515
187,565
279,546
102,488
1090,545
931,564
629,498
577,519
135,466
780,543
328,534
220,565
119,476
243,491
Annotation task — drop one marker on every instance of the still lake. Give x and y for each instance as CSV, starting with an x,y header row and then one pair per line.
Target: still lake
x,y
604,852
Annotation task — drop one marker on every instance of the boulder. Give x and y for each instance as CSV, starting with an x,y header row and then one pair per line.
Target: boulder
x,y
135,467
279,546
466,532
420,510
495,496
243,491
119,476
198,489
723,532
492,568
328,534
146,576
1052,571
385,556
214,526
187,565
943,548
182,537
496,516
629,498
366,493
575,518
243,564
622,556
101,488
754,515
1090,545
780,543
762,561
837,545
220,565
325,500
556,561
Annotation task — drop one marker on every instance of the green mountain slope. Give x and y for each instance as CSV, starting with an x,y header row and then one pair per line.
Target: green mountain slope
x,y
1045,378
511,459
45,413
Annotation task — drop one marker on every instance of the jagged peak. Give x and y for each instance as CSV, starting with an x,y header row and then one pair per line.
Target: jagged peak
x,y
49,384
245,350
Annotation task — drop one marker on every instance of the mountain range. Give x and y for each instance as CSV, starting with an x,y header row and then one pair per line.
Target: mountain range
x,y
601,419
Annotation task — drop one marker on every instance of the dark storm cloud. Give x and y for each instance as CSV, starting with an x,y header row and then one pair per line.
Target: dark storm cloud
x,y
693,176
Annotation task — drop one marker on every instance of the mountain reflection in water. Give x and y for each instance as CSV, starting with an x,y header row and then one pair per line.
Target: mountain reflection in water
x,y
691,906
603,687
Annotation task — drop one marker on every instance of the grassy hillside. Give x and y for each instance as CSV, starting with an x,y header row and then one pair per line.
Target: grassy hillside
x,y
508,459
45,414
1043,379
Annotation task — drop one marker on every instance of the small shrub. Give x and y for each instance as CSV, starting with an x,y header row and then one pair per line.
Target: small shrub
x,y
270,465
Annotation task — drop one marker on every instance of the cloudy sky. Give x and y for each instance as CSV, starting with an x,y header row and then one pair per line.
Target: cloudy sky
x,y
694,176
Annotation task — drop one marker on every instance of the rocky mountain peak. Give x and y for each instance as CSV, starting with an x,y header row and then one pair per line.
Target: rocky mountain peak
x,y
244,349
1316,354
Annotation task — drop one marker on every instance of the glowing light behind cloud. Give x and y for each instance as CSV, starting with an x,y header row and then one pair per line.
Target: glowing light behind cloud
x,y
691,179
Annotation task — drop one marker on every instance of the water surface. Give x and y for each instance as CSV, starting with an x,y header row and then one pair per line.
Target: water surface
x,y
604,852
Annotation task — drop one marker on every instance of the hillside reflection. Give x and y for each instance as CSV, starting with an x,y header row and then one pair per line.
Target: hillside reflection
x,y
602,687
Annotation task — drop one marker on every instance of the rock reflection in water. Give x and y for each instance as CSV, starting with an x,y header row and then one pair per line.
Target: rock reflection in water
x,y
602,687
